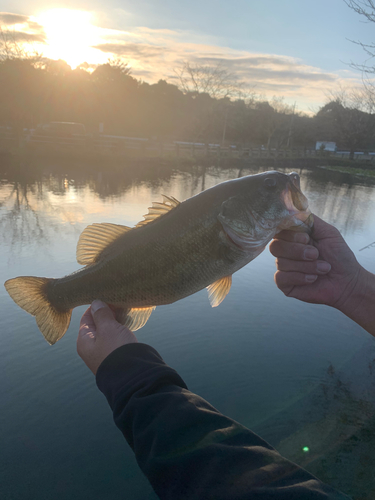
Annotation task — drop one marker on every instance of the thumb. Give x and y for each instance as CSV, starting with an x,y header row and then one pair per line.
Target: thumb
x,y
323,229
102,315
108,330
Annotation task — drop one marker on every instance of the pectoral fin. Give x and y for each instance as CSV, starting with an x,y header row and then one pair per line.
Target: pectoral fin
x,y
134,318
218,290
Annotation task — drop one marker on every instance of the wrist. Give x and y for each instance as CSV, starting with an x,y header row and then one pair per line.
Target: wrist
x,y
360,304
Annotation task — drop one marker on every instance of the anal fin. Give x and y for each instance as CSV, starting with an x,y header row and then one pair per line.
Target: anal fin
x,y
134,318
218,290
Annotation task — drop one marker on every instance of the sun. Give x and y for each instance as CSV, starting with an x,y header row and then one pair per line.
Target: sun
x,y
70,35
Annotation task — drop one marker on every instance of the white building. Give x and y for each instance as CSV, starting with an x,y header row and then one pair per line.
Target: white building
x,y
326,146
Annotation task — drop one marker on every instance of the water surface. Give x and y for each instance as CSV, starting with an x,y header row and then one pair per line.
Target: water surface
x,y
299,375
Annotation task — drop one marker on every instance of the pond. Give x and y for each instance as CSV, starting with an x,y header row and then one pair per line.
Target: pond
x,y
302,376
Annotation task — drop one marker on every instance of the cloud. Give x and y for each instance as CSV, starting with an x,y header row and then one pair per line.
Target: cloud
x,y
154,54
251,60
22,37
135,50
8,19
268,67
28,31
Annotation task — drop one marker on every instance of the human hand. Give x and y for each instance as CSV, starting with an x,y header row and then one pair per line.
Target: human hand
x,y
320,269
100,334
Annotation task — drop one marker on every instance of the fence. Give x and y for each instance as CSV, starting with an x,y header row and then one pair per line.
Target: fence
x,y
110,145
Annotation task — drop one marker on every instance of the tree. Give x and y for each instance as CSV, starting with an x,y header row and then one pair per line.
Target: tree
x,y
274,121
218,85
113,71
216,81
366,9
348,120
11,47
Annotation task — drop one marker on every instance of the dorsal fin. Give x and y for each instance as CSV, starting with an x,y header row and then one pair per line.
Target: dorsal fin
x,y
95,238
158,209
218,290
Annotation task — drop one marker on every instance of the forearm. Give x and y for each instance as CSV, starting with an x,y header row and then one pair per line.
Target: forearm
x,y
360,306
185,447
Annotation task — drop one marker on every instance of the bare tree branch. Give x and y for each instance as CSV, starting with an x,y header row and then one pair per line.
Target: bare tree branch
x,y
364,8
216,81
12,48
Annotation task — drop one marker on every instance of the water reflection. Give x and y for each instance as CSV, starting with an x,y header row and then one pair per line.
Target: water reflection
x,y
334,426
339,198
29,215
21,221
27,191
329,406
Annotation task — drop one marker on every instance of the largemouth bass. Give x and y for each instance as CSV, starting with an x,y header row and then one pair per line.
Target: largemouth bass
x,y
179,249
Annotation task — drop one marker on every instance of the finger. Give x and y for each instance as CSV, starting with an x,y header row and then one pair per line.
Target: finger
x,y
87,319
314,267
286,281
103,316
85,341
292,236
293,251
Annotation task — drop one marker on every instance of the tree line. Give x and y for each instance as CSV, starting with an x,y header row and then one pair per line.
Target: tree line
x,y
35,91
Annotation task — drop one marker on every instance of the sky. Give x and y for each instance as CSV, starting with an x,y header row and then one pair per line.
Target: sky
x,y
297,50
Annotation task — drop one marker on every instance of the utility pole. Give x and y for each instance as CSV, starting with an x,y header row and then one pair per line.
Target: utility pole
x,y
225,123
291,127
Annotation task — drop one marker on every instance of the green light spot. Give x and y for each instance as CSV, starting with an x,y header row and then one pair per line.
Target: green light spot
x,y
305,449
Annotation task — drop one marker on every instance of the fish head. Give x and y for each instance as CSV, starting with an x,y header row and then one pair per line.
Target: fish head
x,y
265,205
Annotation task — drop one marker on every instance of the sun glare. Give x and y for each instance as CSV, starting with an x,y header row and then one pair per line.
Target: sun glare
x,y
70,36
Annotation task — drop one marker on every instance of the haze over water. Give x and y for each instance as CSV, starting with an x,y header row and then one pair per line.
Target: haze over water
x,y
300,375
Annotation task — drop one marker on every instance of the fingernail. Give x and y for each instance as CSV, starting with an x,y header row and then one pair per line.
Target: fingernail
x,y
323,267
311,277
301,238
96,305
311,253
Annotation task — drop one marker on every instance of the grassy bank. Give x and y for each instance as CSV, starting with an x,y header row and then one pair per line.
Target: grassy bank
x,y
353,170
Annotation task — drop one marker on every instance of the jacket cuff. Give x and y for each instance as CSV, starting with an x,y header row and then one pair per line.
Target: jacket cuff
x,y
132,368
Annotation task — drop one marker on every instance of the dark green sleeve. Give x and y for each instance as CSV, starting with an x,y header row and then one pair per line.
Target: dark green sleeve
x,y
185,447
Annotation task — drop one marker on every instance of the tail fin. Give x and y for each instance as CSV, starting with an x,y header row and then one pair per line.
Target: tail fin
x,y
31,294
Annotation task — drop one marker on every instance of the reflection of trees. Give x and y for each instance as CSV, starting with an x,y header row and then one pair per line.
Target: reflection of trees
x,y
30,209
339,198
116,182
27,216
31,215
21,222
26,211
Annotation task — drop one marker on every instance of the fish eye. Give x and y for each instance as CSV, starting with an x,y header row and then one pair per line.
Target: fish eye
x,y
270,182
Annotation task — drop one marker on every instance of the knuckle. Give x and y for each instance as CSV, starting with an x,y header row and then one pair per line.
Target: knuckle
x,y
278,277
273,248
282,264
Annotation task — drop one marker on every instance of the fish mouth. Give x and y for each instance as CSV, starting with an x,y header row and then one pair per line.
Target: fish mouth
x,y
299,217
295,201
